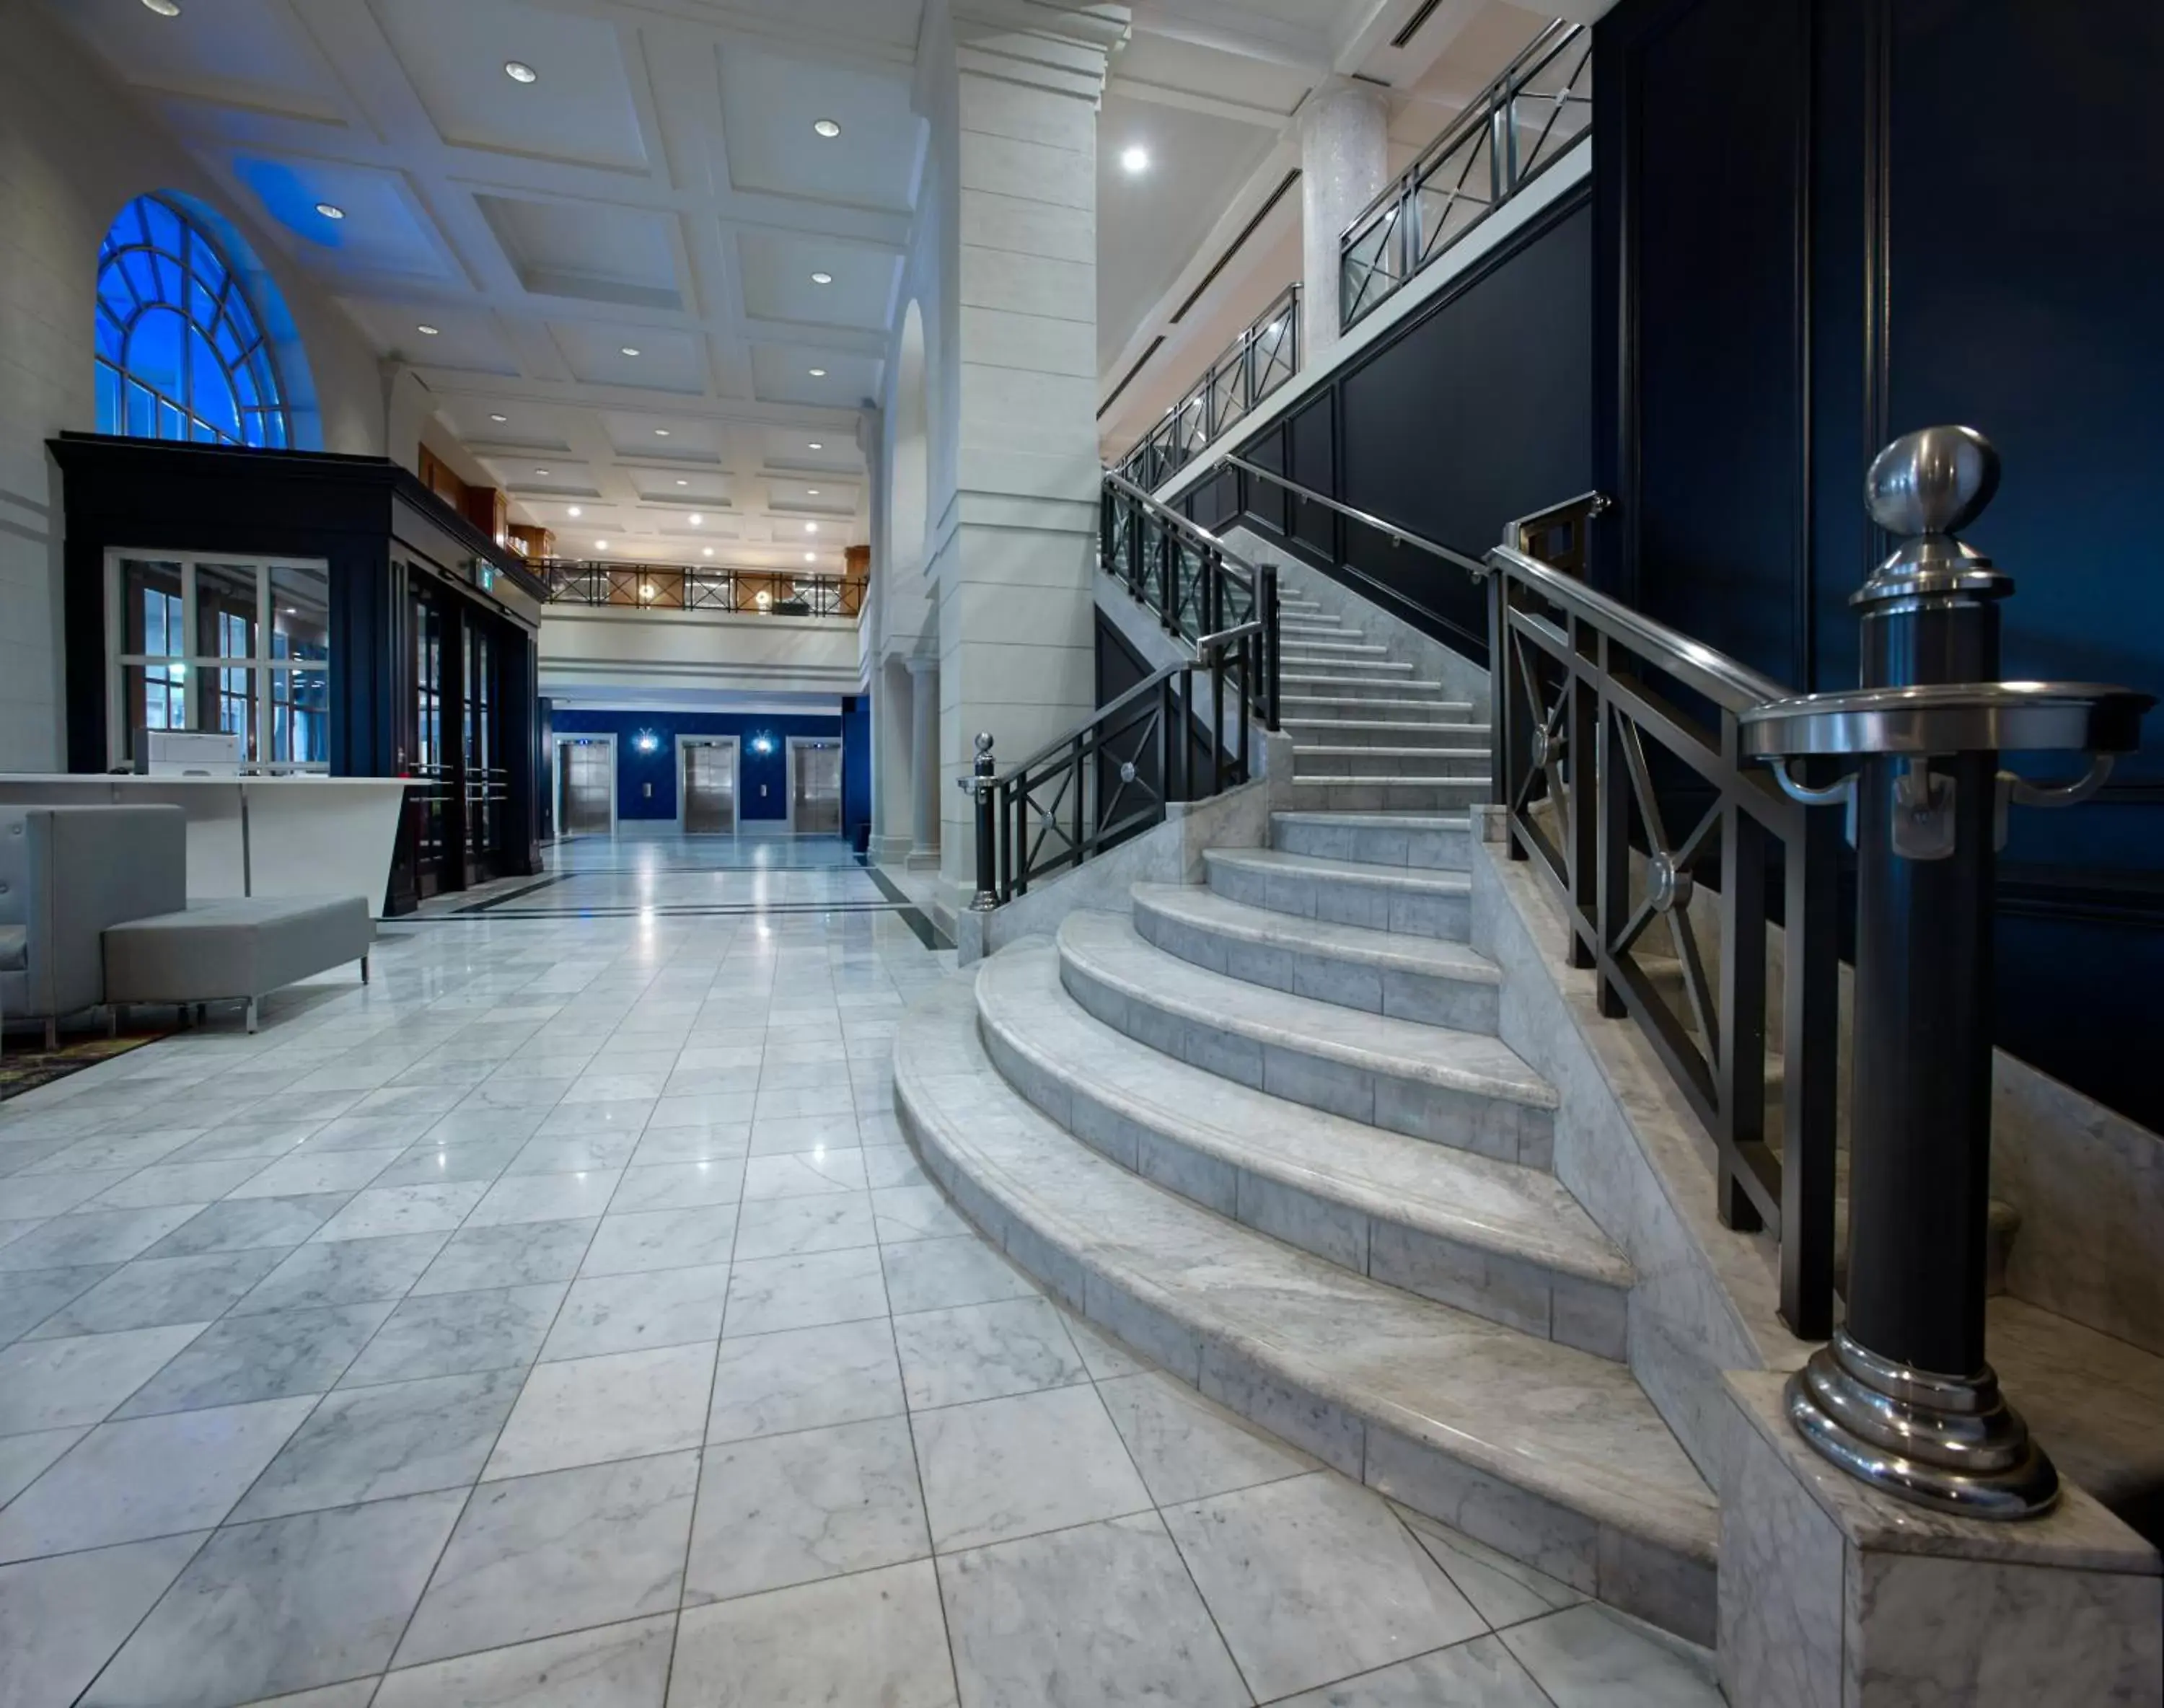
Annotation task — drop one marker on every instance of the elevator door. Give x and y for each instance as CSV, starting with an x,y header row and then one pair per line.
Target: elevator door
x,y
816,808
585,774
709,787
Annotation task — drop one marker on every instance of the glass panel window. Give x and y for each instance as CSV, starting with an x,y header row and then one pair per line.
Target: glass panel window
x,y
300,718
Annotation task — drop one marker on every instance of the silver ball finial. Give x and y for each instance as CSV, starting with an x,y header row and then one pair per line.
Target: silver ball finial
x,y
984,741
1933,480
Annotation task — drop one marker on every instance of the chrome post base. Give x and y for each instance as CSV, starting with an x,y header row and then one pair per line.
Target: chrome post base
x,y
1949,1442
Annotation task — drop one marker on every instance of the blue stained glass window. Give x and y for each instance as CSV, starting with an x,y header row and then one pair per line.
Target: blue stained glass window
x,y
180,350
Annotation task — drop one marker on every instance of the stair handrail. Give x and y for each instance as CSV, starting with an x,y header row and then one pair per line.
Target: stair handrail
x,y
1397,535
1118,770
1583,687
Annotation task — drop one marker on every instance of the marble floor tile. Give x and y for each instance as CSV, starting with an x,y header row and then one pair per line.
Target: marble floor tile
x,y
891,1165
249,1224
1479,1673
705,1141
282,1605
1103,1613
1313,1579
594,1117
451,1334
343,1272
798,1174
781,1103
61,1618
360,1130
379,1211
778,1510
31,1298
935,1275
516,1254
804,1378
723,1112
267,1139
1503,1591
568,1549
85,1236
688,1185
1188,1447
615,1666
309,1170
984,1467
628,1313
785,1135
114,1149
272,1357
981,1351
872,1637
803,1292
427,1164
24,1458
620,1406
154,1476
464,1124
770,1227
1587,1657
542,1155
150,1292
661,1239
178,1183
374,1444
915,1213
50,1384
543,1198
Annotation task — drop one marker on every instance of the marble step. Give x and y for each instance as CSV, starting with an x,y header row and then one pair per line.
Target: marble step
x,y
1428,979
1377,666
1461,1088
1552,1455
1331,683
1320,627
1348,645
1321,759
1505,1243
1399,898
1372,706
1384,732
1377,839
1365,793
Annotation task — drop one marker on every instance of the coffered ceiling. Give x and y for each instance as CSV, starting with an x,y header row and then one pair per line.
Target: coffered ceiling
x,y
618,259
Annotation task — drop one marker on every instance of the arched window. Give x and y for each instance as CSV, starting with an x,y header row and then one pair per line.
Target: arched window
x,y
181,349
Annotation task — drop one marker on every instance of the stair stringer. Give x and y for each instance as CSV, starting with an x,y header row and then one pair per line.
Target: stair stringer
x,y
1629,1148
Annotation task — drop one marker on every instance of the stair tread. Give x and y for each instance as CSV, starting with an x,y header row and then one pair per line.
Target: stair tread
x,y
1404,723
1108,949
1399,951
1376,751
1427,879
1392,821
1453,707
1569,1426
1497,1206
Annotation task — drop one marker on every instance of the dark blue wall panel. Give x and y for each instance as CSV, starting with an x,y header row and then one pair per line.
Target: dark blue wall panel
x,y
635,770
856,765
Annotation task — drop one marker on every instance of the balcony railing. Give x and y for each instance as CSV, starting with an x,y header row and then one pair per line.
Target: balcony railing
x,y
1263,356
1517,126
675,587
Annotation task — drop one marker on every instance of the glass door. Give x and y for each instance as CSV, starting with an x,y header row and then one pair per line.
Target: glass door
x,y
428,796
487,782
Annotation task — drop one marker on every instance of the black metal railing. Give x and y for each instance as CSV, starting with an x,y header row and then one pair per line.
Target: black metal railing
x,y
1618,766
1265,354
681,587
1186,733
1521,123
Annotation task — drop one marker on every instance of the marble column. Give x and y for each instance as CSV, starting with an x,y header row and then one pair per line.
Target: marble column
x,y
1344,162
924,770
1017,541
894,795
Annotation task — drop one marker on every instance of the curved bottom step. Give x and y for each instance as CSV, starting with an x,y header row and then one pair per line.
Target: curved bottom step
x,y
1551,1455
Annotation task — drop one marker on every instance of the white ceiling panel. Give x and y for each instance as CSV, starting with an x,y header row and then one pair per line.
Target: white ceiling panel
x,y
580,108
777,269
660,439
251,54
665,362
596,251
385,230
465,340
806,373
770,103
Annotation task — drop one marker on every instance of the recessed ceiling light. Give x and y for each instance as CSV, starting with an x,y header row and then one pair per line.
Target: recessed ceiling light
x,y
330,210
826,128
813,445
697,518
499,418
164,8
629,349
683,483
519,72
822,278
1134,159
427,331
540,471
661,433
707,552
601,545
573,511
811,557
816,373
811,491
810,528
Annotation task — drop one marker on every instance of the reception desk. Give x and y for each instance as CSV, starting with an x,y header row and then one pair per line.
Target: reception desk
x,y
254,836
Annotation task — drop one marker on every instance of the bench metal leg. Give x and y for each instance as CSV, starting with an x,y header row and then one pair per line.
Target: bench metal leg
x,y
52,1036
364,969
251,1014
111,1020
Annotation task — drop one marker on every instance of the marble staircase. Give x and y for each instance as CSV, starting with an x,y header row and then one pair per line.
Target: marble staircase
x,y
1263,1129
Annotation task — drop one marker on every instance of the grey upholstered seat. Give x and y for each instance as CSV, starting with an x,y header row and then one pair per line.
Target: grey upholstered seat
x,y
242,947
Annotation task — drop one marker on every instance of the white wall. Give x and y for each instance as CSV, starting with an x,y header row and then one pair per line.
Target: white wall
x,y
583,646
74,151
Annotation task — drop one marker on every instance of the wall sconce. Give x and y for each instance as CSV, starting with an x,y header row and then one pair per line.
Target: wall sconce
x,y
646,741
762,744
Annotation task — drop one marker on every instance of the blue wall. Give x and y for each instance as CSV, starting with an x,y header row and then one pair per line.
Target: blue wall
x,y
856,766
634,770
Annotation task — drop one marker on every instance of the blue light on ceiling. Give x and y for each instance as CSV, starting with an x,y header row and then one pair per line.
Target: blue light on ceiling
x,y
762,744
646,741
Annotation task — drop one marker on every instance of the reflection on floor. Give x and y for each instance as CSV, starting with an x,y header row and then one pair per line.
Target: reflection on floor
x,y
561,1318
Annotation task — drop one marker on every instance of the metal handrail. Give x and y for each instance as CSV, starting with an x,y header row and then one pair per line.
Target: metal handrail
x,y
1174,519
1264,356
612,584
1389,241
1397,535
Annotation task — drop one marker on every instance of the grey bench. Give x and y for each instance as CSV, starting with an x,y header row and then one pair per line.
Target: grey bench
x,y
242,949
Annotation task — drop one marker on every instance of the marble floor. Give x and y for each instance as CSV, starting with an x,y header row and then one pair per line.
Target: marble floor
x,y
560,1319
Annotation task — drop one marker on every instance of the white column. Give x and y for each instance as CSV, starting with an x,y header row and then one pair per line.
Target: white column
x,y
924,768
1017,628
1344,162
894,795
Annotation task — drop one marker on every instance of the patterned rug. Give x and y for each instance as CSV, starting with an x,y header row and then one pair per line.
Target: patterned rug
x,y
26,1069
